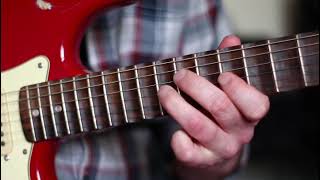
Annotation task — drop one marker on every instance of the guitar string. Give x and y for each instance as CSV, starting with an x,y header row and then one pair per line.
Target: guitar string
x,y
198,57
192,58
202,56
140,77
133,99
145,76
166,63
19,132
152,85
269,72
43,106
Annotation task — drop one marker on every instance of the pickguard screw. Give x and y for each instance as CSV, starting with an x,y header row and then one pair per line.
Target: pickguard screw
x,y
39,65
6,157
24,151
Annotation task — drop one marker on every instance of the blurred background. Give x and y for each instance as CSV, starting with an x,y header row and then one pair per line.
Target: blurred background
x,y
286,142
253,20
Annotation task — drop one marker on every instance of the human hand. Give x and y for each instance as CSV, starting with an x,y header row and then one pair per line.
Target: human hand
x,y
213,143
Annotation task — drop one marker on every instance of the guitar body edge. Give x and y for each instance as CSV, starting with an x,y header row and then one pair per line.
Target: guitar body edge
x,y
34,40
23,159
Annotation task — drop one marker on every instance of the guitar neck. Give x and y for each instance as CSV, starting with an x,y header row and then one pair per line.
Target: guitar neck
x,y
110,98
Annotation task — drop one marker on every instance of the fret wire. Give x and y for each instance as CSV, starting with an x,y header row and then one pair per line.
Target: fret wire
x,y
52,112
75,94
139,91
64,108
245,65
207,55
235,69
219,60
301,61
106,98
232,50
273,67
196,64
41,114
30,115
175,71
122,97
203,65
268,72
91,103
157,84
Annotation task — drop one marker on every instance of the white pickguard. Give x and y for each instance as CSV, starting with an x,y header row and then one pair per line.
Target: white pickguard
x,y
15,157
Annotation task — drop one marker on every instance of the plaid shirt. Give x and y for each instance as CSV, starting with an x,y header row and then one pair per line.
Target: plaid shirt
x,y
145,31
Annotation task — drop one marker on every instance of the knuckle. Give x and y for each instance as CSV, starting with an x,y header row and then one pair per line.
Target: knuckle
x,y
195,125
219,105
199,130
231,150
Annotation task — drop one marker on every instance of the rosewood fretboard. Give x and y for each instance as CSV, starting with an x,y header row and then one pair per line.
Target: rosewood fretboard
x,y
116,97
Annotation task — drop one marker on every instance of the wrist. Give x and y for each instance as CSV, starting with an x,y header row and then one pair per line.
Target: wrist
x,y
218,171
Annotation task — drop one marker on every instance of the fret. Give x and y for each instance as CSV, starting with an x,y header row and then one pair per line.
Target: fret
x,y
287,64
91,103
139,91
77,103
208,65
122,96
219,61
64,108
309,47
259,67
196,64
41,113
245,64
30,114
98,99
231,60
175,71
157,82
149,87
106,98
273,67
52,111
301,61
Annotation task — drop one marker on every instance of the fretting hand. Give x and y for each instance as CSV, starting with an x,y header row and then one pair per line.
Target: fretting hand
x,y
213,145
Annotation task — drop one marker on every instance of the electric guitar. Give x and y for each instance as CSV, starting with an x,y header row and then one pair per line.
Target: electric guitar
x,y
47,94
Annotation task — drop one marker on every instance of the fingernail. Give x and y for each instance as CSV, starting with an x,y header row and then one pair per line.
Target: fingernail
x,y
224,79
179,75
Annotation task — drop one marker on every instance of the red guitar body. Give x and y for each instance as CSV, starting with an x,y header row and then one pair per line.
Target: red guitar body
x,y
28,31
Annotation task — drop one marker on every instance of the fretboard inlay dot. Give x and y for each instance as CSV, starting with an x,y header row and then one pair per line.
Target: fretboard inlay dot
x,y
35,113
58,108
